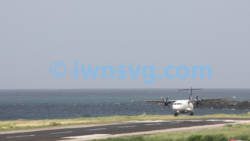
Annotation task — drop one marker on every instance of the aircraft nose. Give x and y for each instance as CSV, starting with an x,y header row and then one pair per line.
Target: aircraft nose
x,y
177,107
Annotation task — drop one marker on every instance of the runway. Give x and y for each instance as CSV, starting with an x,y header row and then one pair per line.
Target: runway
x,y
113,129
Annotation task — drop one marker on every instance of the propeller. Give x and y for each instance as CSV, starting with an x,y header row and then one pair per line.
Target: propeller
x,y
165,101
197,101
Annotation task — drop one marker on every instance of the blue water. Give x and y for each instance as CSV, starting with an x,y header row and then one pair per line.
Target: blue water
x,y
49,104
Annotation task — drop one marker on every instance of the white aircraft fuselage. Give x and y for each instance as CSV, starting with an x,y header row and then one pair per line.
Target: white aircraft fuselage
x,y
183,106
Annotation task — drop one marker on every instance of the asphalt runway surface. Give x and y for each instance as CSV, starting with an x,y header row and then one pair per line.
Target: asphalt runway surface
x,y
60,134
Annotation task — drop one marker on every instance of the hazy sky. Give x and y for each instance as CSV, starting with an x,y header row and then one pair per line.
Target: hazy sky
x,y
191,32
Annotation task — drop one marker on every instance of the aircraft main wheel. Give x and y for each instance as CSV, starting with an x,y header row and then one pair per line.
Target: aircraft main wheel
x,y
192,113
176,114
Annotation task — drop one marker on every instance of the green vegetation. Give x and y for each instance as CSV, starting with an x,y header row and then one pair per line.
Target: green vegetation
x,y
31,124
225,133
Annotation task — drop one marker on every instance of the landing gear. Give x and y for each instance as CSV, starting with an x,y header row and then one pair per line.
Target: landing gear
x,y
176,113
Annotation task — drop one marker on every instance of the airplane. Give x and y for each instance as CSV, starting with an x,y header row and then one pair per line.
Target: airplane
x,y
180,106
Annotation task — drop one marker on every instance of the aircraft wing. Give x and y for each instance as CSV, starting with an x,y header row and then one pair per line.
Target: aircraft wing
x,y
160,102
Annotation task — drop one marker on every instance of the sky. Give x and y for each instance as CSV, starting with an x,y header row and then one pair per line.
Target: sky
x,y
34,34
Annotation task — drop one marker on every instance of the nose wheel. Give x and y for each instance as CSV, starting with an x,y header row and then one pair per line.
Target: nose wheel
x,y
191,113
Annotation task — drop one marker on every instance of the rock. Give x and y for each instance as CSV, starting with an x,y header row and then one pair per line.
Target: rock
x,y
224,103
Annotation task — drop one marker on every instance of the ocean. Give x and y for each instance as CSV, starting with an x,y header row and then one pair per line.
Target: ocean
x,y
51,104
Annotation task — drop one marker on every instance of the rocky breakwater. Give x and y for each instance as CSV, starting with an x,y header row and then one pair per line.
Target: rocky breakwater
x,y
224,103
